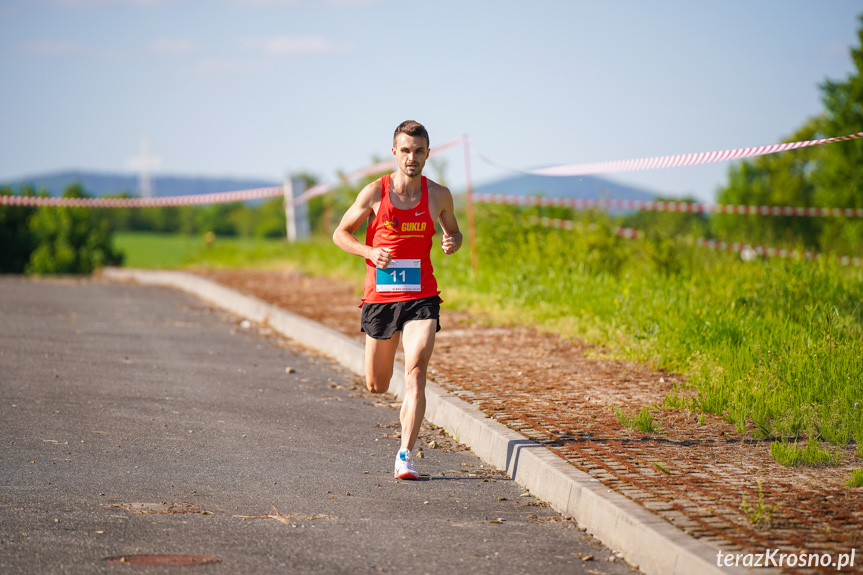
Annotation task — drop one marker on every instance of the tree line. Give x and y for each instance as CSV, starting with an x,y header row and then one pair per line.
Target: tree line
x,y
77,240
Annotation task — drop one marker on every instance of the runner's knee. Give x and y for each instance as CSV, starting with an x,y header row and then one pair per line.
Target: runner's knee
x,y
376,383
416,378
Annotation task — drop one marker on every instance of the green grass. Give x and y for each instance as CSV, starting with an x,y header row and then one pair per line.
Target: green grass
x,y
642,421
772,344
760,512
167,251
812,455
170,251
149,250
856,479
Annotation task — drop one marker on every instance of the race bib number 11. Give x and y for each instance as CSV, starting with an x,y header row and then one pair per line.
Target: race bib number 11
x,y
400,275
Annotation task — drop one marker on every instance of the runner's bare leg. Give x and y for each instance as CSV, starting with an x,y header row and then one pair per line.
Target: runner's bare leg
x,y
418,338
380,354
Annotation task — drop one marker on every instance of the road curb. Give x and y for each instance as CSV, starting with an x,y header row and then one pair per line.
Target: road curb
x,y
645,539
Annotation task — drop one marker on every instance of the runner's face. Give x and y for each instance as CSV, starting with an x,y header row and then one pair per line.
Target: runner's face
x,y
411,153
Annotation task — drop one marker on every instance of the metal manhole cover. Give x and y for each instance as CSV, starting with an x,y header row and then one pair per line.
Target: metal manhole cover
x,y
166,560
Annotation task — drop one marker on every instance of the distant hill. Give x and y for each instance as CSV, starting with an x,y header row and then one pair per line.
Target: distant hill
x,y
103,184
587,187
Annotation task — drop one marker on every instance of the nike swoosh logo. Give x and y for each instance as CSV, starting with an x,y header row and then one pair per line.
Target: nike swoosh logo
x,y
418,213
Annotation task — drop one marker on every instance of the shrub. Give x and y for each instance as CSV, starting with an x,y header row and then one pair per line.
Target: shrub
x,y
16,238
71,240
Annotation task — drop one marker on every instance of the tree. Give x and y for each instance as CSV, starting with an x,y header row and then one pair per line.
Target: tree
x,y
782,179
216,218
71,240
820,176
270,222
839,176
669,224
16,239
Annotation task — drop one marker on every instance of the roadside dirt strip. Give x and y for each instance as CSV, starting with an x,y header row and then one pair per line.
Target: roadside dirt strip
x,y
540,407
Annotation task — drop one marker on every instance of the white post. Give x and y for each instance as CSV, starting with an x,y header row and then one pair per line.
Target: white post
x,y
296,215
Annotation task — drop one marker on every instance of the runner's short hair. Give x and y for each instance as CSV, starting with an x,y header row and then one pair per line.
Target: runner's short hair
x,y
411,128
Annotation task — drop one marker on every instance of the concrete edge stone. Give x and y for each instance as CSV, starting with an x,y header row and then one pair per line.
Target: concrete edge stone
x,y
645,539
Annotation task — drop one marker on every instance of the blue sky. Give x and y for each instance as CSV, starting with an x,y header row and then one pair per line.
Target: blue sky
x,y
262,88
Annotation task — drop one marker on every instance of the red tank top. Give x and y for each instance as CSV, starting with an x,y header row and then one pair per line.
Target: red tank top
x,y
408,235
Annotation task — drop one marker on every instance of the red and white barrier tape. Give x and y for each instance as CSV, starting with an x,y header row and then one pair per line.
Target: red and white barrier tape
x,y
314,191
378,168
747,251
570,170
659,162
197,199
691,207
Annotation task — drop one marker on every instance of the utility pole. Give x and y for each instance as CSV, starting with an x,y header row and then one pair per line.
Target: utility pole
x,y
471,222
296,215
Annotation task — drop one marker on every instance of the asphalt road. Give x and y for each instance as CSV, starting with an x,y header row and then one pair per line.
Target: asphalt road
x,y
139,421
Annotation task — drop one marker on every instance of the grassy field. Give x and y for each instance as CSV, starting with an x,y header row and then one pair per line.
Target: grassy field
x,y
145,250
775,346
774,343
153,250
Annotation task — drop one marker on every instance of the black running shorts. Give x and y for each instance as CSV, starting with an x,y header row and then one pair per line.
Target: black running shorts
x,y
382,320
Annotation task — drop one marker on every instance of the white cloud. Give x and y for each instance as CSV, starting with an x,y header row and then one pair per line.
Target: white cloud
x,y
172,46
293,45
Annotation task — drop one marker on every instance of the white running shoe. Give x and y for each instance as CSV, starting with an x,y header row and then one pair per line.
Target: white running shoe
x,y
404,468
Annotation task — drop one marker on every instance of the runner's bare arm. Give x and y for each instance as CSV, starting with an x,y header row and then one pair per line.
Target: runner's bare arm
x,y
361,209
451,240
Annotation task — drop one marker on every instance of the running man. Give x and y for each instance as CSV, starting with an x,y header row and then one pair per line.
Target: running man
x,y
400,298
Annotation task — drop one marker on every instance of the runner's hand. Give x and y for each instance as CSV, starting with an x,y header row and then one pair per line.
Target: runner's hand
x,y
381,257
450,243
